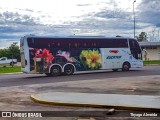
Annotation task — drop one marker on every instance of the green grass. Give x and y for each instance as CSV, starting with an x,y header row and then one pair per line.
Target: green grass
x,y
151,62
10,69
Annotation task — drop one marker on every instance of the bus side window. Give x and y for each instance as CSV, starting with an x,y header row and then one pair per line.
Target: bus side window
x,y
76,45
69,45
126,44
53,45
58,44
122,43
85,45
93,44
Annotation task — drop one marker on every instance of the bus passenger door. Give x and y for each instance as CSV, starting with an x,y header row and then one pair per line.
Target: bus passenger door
x,y
136,53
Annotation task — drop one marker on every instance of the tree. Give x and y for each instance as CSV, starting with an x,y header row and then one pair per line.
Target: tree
x,y
3,52
142,36
154,35
12,51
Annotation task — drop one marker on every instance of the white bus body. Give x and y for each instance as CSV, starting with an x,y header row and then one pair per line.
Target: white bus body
x,y
55,55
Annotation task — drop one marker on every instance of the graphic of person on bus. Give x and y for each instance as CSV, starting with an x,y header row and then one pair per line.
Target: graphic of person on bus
x,y
43,60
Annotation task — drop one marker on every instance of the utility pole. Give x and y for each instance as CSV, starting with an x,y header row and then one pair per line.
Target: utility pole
x,y
134,16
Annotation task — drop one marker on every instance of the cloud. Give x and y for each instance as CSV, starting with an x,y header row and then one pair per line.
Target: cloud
x,y
17,18
104,22
59,18
149,12
116,13
83,4
6,43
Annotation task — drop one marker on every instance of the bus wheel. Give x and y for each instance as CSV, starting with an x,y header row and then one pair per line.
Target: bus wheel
x,y
55,71
68,70
125,66
115,70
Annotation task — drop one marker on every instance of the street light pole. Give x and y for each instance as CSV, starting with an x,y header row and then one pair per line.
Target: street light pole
x,y
134,16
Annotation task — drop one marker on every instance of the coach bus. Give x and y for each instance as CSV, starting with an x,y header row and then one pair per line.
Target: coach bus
x,y
67,55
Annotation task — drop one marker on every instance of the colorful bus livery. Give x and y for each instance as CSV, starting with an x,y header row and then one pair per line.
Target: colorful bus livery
x,y
67,55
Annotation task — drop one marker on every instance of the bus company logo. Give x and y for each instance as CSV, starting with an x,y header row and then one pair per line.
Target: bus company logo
x,y
114,51
114,57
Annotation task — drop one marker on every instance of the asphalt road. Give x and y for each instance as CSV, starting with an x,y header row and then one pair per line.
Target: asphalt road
x,y
7,80
19,87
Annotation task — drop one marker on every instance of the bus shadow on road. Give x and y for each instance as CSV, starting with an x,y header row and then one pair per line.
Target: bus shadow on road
x,y
88,75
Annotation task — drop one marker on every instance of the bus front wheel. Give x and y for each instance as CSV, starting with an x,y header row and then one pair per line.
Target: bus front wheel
x,y
68,70
125,66
55,71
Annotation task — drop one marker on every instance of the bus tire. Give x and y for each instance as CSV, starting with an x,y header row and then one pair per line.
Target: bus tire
x,y
115,70
68,69
55,70
126,66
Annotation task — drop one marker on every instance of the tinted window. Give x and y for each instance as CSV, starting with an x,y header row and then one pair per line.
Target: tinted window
x,y
134,45
135,49
77,43
113,43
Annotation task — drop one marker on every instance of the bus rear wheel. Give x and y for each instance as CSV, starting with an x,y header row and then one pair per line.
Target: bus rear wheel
x,y
55,71
68,70
125,66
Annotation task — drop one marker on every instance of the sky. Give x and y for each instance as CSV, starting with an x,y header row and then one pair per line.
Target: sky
x,y
77,17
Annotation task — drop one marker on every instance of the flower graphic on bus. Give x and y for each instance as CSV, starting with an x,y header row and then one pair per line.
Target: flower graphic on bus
x,y
42,59
91,58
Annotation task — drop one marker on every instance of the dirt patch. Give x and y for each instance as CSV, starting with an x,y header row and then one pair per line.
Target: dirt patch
x,y
18,97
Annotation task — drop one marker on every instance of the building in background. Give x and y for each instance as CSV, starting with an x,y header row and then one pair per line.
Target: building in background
x,y
151,50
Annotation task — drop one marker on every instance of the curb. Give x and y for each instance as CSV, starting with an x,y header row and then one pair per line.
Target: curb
x,y
74,104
